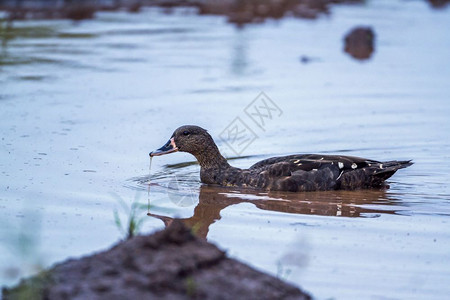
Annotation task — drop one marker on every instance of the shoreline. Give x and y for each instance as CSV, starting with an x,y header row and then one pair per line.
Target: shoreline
x,y
237,12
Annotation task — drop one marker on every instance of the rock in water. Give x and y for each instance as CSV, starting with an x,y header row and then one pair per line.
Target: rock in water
x,y
359,42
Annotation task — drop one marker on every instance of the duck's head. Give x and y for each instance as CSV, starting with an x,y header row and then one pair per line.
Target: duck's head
x,y
188,138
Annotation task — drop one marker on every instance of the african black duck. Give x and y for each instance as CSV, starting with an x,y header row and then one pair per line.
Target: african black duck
x,y
294,173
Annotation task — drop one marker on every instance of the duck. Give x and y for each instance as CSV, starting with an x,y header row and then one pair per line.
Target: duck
x,y
292,173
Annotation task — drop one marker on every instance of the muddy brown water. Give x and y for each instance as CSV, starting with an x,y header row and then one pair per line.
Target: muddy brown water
x,y
82,105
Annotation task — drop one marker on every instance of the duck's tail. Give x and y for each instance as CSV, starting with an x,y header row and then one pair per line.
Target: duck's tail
x,y
388,168
372,175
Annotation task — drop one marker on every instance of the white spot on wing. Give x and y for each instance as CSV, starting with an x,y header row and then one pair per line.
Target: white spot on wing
x,y
354,166
381,166
341,165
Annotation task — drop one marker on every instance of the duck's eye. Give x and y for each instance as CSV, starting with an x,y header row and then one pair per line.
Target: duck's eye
x,y
185,132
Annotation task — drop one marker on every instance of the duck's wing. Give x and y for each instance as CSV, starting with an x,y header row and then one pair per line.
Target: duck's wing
x,y
308,162
323,172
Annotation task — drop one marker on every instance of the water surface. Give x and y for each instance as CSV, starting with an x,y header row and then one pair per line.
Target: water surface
x,y
82,105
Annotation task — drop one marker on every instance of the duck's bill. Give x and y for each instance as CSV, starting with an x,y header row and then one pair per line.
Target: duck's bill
x,y
169,147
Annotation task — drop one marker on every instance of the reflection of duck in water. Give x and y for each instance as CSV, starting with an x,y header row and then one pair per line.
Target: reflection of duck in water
x,y
294,173
213,199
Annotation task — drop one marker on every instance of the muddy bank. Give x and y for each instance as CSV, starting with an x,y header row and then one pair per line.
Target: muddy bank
x,y
170,264
238,12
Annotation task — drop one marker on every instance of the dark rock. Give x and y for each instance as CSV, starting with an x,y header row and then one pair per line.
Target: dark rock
x,y
135,7
359,42
78,11
305,59
170,264
439,3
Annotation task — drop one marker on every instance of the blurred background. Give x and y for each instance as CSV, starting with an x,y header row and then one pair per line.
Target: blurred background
x,y
89,88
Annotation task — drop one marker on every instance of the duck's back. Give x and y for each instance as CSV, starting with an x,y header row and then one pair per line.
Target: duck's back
x,y
310,172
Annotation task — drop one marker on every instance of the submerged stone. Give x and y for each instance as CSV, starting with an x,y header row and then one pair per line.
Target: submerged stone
x,y
359,42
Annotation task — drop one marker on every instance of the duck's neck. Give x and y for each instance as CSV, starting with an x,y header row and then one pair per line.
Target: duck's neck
x,y
210,158
212,165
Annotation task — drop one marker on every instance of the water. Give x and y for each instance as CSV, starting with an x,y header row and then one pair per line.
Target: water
x,y
82,105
